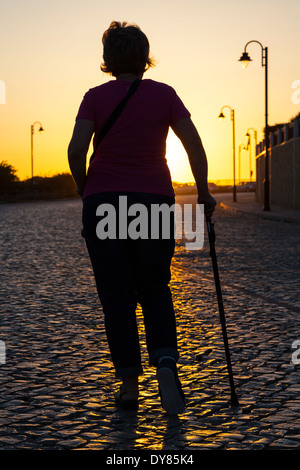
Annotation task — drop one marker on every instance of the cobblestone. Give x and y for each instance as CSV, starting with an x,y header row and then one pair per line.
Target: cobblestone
x,y
57,384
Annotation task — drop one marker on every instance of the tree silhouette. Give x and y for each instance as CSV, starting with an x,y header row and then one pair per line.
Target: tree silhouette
x,y
7,175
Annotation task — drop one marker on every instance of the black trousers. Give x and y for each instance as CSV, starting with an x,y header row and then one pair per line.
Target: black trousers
x,y
128,271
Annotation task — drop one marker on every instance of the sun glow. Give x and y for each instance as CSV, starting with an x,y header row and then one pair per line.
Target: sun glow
x,y
177,160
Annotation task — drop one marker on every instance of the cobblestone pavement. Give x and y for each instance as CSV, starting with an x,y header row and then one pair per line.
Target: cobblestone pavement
x,y
57,384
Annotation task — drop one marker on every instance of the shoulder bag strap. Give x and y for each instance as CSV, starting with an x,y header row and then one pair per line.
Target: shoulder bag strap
x,y
115,114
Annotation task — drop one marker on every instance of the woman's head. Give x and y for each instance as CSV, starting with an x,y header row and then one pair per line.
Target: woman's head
x,y
125,50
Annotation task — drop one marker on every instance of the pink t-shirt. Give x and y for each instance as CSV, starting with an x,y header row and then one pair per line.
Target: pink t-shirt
x,y
131,157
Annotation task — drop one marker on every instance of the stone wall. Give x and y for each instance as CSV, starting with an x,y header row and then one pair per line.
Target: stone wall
x,y
284,167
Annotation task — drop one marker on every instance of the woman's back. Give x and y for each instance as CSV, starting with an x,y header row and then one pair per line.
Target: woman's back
x,y
131,156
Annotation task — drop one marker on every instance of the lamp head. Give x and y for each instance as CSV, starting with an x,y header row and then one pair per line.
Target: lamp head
x,y
247,139
221,116
245,59
41,130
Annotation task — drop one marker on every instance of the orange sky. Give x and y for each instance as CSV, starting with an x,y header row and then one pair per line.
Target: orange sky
x,y
51,51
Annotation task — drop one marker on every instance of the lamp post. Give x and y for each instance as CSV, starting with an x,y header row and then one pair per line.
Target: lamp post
x,y
41,130
249,145
221,116
241,147
245,59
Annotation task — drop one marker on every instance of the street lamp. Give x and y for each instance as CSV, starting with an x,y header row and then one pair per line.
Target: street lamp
x,y
241,147
221,116
249,145
245,59
41,131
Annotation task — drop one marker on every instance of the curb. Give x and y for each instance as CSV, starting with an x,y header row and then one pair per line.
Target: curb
x,y
262,215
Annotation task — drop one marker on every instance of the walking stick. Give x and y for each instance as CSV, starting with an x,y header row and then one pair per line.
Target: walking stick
x,y
212,237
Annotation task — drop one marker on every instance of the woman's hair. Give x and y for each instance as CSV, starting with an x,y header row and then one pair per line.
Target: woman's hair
x,y
125,49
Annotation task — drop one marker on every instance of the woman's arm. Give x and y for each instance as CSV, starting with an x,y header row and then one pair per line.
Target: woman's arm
x,y
188,134
77,150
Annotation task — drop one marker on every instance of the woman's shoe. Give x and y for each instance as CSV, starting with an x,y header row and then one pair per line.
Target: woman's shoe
x,y
171,394
126,399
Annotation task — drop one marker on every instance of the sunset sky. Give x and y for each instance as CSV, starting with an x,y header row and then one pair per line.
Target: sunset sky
x,y
50,54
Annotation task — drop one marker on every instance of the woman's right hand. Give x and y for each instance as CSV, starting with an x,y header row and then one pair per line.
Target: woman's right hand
x,y
209,204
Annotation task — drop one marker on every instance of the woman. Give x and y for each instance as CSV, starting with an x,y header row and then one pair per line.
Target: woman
x,y
130,163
